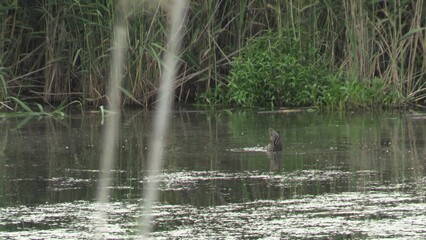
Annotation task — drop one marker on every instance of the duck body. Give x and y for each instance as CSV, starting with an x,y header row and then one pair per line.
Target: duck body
x,y
275,141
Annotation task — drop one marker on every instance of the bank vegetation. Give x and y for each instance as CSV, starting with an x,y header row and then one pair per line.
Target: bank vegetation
x,y
343,54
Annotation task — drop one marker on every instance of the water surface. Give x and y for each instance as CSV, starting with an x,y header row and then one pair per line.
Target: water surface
x,y
341,175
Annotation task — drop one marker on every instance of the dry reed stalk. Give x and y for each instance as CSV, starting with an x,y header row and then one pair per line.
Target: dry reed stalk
x,y
176,10
111,130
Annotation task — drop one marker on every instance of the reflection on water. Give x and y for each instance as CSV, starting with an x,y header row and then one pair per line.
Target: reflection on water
x,y
342,175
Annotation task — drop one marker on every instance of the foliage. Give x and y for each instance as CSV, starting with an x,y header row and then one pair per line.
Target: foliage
x,y
273,70
22,108
347,91
58,51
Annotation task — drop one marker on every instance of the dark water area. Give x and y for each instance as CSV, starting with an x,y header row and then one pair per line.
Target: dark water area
x,y
340,176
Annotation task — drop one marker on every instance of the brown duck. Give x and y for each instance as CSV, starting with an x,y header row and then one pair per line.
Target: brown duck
x,y
275,141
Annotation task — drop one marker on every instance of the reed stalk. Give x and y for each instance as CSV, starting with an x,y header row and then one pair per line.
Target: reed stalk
x,y
176,10
111,130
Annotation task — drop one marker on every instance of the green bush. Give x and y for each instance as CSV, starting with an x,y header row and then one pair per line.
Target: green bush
x,y
273,70
347,91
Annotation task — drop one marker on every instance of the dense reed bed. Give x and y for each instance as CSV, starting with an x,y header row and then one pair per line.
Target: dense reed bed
x,y
57,51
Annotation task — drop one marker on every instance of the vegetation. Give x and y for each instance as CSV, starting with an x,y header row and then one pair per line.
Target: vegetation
x,y
37,109
352,53
273,70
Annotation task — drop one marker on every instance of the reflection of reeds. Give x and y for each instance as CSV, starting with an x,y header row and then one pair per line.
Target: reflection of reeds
x,y
4,129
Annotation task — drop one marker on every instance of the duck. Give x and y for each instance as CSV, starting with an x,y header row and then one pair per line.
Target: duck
x,y
275,141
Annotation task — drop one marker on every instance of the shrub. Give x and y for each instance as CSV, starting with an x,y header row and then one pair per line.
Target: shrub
x,y
273,70
346,90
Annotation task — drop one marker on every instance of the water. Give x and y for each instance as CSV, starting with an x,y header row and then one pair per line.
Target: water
x,y
341,175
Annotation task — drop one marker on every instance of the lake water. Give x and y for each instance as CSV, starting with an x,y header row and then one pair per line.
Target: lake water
x,y
340,176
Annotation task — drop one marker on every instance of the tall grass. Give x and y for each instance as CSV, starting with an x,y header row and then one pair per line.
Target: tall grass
x,y
56,51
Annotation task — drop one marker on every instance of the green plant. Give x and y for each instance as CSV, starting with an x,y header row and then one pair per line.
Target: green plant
x,y
22,108
273,70
56,50
347,91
